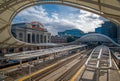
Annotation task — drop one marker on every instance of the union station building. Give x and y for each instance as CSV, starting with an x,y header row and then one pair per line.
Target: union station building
x,y
33,32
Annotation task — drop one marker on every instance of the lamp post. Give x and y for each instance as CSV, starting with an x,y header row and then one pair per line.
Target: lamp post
x,y
30,67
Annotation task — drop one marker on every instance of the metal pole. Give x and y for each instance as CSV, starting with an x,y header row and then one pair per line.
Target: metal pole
x,y
54,56
20,63
38,59
30,72
49,57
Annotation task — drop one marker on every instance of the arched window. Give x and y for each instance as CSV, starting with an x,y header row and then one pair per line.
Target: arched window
x,y
37,38
33,38
28,38
41,36
0,52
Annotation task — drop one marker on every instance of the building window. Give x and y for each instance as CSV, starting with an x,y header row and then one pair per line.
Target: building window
x,y
44,39
37,38
20,35
33,38
0,52
28,38
41,36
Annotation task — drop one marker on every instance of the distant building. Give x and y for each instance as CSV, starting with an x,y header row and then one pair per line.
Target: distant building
x,y
118,34
90,32
58,39
72,32
33,32
98,30
108,28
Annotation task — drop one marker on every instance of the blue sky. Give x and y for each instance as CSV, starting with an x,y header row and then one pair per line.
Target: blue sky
x,y
60,18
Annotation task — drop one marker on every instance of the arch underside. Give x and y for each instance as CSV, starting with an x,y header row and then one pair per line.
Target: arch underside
x,y
9,8
95,37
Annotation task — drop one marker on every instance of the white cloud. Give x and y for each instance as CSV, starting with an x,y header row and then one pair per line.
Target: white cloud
x,y
83,20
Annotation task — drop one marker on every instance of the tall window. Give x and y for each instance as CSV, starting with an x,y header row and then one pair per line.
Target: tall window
x,y
41,36
33,38
29,38
20,35
37,38
45,39
0,52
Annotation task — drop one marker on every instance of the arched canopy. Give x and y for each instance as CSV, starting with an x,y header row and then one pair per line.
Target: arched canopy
x,y
95,37
109,9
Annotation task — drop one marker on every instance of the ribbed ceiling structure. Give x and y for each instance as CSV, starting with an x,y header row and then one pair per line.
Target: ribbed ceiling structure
x,y
109,9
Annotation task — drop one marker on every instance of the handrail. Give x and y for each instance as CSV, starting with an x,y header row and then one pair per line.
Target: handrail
x,y
99,58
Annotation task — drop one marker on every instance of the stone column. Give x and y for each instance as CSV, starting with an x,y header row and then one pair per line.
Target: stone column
x,y
39,38
35,38
43,39
49,38
31,38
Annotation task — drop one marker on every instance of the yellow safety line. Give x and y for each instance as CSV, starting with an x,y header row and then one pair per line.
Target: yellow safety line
x,y
77,74
116,66
14,66
39,71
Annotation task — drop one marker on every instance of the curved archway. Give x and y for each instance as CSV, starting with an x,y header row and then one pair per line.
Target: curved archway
x,y
96,37
9,8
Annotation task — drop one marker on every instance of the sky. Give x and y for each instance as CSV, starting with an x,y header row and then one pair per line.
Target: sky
x,y
57,18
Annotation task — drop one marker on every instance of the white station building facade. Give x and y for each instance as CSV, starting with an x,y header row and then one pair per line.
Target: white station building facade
x,y
33,32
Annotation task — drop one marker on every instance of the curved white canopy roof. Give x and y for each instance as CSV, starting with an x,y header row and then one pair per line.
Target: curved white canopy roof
x,y
95,37
109,9
43,52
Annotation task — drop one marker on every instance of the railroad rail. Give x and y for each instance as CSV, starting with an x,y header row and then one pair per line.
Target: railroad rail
x,y
69,73
52,69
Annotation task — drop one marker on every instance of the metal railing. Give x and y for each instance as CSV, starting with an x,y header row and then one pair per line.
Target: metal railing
x,y
100,56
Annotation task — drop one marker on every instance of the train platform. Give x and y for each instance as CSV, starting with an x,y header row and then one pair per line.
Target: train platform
x,y
90,73
87,65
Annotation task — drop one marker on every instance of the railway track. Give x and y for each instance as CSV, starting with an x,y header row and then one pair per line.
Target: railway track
x,y
77,65
52,69
69,73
